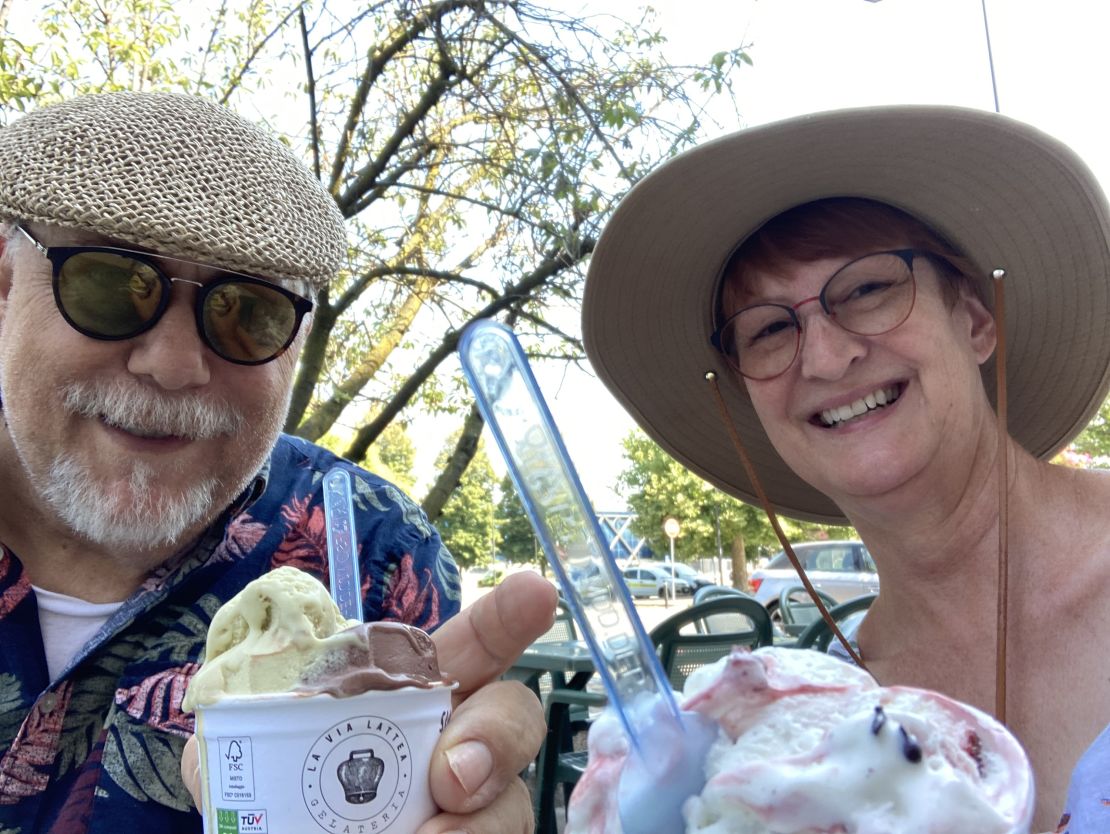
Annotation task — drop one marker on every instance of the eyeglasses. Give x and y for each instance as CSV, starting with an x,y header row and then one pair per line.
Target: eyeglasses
x,y
869,296
109,293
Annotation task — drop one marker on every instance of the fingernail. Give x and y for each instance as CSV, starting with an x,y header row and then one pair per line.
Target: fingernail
x,y
472,764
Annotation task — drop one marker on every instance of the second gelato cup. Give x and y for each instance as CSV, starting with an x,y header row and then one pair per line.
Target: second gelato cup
x,y
294,764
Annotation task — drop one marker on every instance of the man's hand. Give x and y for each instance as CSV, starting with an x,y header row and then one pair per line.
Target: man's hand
x,y
498,726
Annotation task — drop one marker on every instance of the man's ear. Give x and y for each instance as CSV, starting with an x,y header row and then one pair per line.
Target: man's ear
x,y
982,333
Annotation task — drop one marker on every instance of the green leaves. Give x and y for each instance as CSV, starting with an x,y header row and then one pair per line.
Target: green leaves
x,y
518,541
656,486
467,523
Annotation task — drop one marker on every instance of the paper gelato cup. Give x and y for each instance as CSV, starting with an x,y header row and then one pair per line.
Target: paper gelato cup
x,y
289,764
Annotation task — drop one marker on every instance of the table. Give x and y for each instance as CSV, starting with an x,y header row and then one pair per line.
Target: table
x,y
560,658
571,666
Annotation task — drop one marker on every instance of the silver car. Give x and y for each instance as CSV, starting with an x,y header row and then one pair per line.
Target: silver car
x,y
841,569
650,581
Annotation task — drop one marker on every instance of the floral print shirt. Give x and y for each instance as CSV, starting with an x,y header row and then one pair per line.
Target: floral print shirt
x,y
98,750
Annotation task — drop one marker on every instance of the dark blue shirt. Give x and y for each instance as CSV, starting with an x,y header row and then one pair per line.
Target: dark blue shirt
x,y
99,749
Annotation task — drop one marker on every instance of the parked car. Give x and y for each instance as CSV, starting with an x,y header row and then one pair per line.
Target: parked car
x,y
650,581
841,569
694,579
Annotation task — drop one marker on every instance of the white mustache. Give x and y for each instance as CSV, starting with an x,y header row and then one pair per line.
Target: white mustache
x,y
145,411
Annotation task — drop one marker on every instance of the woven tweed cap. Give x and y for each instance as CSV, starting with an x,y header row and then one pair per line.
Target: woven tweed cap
x,y
1005,193
174,173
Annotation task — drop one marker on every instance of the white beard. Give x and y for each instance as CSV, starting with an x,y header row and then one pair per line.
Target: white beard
x,y
141,513
137,518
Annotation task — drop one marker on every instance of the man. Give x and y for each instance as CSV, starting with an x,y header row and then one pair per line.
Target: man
x,y
158,253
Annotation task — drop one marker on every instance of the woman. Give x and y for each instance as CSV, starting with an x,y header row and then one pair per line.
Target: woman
x,y
831,276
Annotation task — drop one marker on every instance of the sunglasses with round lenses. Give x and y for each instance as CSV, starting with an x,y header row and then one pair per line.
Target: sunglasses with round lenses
x,y
109,293
869,296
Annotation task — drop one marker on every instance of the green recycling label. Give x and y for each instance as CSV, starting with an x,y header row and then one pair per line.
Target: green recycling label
x,y
237,821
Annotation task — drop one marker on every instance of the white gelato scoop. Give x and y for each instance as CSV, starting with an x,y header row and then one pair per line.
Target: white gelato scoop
x,y
811,745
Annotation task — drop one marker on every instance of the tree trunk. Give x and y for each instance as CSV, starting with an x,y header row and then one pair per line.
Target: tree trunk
x,y
449,478
739,564
317,424
311,363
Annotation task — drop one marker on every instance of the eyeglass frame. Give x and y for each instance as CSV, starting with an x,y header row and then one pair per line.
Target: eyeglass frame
x,y
58,255
907,255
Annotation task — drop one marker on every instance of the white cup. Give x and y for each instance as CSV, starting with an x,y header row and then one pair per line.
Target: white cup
x,y
289,764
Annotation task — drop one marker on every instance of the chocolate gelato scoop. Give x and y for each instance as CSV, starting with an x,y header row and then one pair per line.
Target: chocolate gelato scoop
x,y
374,656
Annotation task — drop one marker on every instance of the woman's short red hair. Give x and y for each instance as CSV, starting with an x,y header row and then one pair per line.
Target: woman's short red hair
x,y
846,227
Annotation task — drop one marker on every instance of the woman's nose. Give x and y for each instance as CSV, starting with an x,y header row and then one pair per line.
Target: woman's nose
x,y
827,349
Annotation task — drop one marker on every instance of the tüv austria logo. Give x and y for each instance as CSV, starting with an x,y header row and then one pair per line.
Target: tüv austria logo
x,y
357,776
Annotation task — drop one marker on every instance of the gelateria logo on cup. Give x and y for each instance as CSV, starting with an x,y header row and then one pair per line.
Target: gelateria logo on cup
x,y
357,776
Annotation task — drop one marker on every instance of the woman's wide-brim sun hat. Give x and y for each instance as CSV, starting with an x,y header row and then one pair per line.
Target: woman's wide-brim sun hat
x,y
1007,194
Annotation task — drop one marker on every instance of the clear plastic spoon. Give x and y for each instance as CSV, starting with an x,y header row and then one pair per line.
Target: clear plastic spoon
x,y
343,569
665,763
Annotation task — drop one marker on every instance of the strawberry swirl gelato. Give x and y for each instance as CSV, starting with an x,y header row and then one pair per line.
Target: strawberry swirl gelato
x,y
809,744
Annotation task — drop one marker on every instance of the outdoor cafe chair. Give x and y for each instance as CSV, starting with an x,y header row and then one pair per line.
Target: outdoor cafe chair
x,y
709,592
817,635
718,622
681,649
562,630
797,609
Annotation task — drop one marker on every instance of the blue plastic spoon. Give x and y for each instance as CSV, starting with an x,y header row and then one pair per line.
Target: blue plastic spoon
x,y
343,569
668,746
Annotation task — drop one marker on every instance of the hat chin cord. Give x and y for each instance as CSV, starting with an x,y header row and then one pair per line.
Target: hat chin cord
x,y
726,418
1003,552
1003,502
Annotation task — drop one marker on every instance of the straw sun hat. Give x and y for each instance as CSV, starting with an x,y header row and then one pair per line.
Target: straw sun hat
x,y
1006,194
176,174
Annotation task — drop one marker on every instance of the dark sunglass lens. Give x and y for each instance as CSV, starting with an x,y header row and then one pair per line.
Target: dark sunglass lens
x,y
107,294
247,322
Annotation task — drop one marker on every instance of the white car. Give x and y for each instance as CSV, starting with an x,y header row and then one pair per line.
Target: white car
x,y
841,569
650,581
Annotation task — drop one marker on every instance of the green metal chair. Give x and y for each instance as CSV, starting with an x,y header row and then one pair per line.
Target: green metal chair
x,y
562,630
713,591
704,633
682,647
817,635
718,622
559,763
796,609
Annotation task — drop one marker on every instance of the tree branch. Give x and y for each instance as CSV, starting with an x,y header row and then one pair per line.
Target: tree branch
x,y
237,80
451,474
552,265
367,177
375,68
311,84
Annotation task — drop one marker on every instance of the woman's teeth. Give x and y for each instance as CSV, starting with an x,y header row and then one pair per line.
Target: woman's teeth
x,y
876,399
